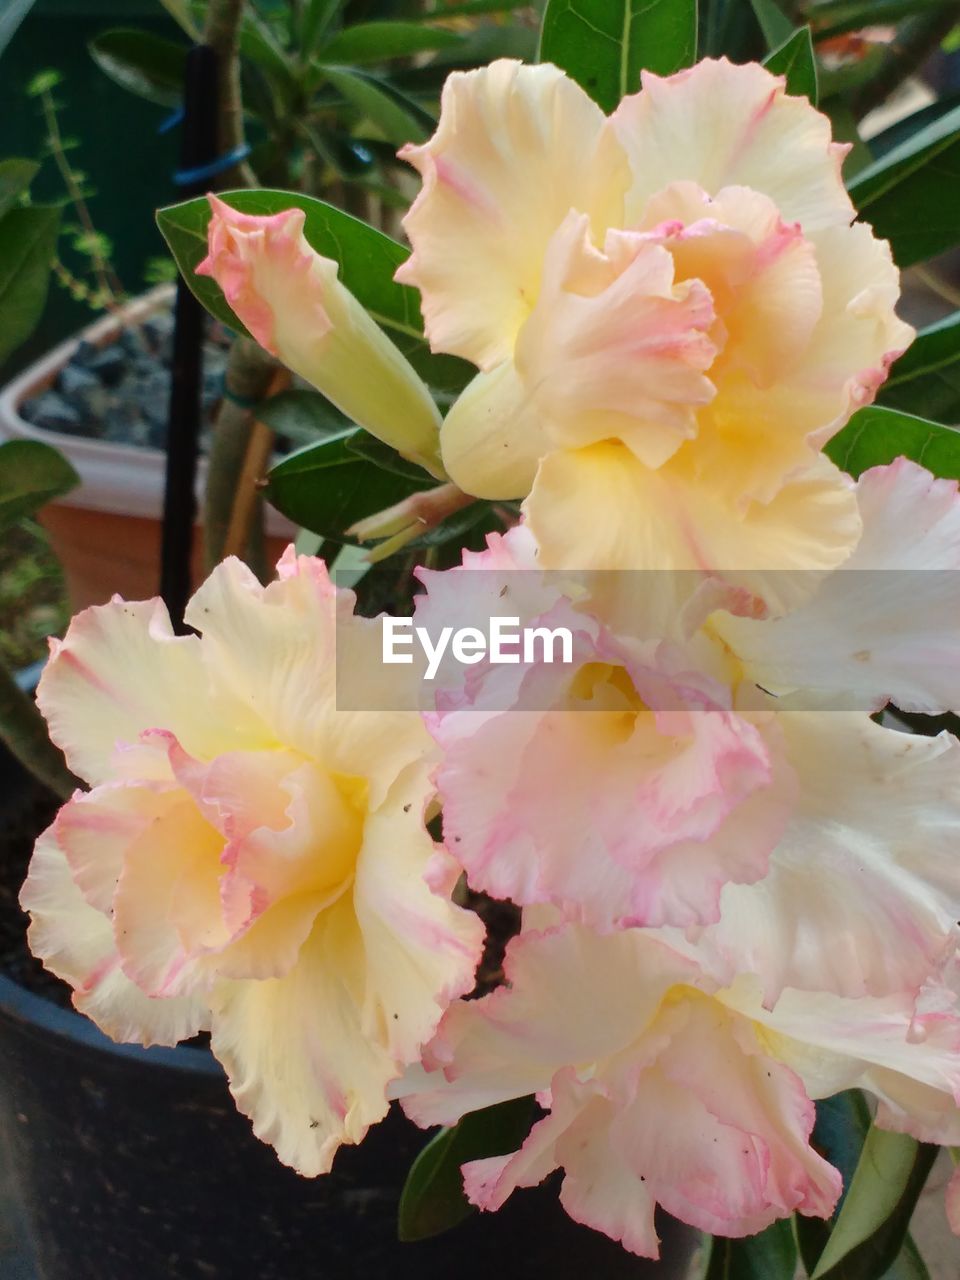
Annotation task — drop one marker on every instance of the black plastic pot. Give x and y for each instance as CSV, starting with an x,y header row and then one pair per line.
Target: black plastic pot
x,y
123,1163
133,1164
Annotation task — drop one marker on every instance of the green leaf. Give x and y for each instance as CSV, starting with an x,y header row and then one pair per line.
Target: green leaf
x,y
796,60
142,63
909,1264
327,487
304,417
872,1225
926,378
318,17
468,10
432,1199
31,474
774,23
875,436
15,178
367,258
398,117
604,44
771,1255
28,241
911,194
364,445
842,1124
376,41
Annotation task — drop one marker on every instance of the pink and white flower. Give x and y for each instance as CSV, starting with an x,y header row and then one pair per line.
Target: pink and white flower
x,y
250,859
662,1087
670,309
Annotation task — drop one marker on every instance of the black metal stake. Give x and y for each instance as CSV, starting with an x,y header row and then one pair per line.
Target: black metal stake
x,y
198,149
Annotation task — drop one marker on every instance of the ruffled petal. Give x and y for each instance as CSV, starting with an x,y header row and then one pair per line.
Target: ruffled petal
x,y
723,125
516,149
75,941
863,895
886,628
119,671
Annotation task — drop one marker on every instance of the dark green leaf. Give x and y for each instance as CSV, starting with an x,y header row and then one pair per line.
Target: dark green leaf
x,y
432,1199
604,44
842,1124
304,417
398,117
771,1255
876,436
367,257
318,18
15,178
28,241
911,194
326,487
873,1223
258,43
926,378
884,142
774,23
364,445
909,1265
376,41
31,474
142,63
796,60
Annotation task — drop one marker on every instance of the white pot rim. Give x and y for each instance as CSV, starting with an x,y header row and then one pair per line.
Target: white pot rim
x,y
121,479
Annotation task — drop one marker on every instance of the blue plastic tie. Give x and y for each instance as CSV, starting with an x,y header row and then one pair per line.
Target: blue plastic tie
x,y
171,121
192,177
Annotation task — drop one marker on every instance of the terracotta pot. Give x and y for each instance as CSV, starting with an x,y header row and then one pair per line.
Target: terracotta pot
x,y
106,532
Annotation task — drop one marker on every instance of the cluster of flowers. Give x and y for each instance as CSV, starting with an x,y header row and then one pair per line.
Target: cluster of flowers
x,y
740,891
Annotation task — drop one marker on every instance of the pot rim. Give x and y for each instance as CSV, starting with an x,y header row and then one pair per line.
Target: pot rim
x,y
72,1029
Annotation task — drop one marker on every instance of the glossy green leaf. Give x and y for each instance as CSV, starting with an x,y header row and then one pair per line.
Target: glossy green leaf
x,y
841,1126
796,60
376,41
364,445
770,1255
28,241
873,1223
318,18
911,194
31,475
777,28
432,1199
327,487
604,44
142,63
926,378
303,417
16,175
876,436
398,117
367,258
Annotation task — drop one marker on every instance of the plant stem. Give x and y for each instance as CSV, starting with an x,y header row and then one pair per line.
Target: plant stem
x,y
222,32
250,371
107,280
24,730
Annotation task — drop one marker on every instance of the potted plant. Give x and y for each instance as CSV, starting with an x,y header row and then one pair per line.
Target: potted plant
x,y
298,1063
